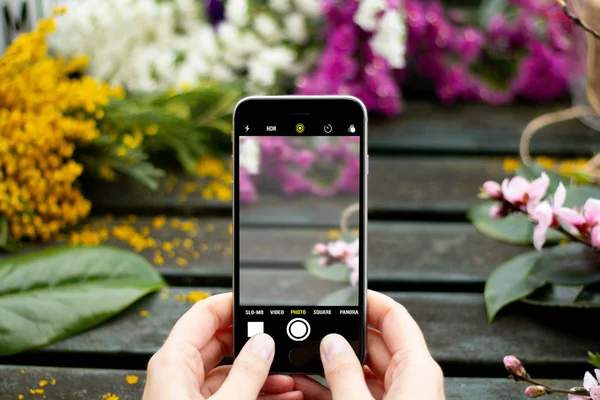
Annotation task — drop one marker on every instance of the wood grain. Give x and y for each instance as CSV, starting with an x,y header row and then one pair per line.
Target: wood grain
x,y
396,185
471,129
404,252
85,384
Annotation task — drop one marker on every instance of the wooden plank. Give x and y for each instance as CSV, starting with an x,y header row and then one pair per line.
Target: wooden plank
x,y
467,128
455,326
410,252
396,185
85,384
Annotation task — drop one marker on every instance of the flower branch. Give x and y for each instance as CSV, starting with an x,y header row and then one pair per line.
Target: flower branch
x,y
518,195
589,391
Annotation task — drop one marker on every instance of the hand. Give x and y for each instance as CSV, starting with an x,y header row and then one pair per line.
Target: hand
x,y
398,364
184,368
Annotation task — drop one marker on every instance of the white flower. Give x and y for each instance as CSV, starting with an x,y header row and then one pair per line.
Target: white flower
x,y
310,8
295,27
267,28
250,154
389,40
366,15
280,6
236,12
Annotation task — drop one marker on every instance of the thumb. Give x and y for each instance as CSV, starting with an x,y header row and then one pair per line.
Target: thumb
x,y
249,370
343,371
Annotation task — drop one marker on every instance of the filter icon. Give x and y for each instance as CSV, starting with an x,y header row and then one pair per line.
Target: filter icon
x,y
351,129
300,128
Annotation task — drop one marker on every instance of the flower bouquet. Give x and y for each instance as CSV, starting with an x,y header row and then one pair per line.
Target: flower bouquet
x,y
58,124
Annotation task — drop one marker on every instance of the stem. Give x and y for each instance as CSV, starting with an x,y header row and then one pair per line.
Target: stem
x,y
577,20
552,389
571,236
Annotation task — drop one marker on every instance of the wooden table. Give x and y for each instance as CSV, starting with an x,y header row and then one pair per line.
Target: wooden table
x,y
426,168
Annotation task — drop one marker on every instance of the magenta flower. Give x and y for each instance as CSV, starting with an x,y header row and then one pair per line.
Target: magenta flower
x,y
546,216
591,385
524,194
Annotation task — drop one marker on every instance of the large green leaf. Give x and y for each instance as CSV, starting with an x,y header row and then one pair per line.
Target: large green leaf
x,y
50,295
510,282
578,194
573,264
563,296
343,297
515,228
336,272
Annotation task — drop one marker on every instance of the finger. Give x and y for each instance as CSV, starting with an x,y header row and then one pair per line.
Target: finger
x,y
220,346
297,395
249,370
374,383
342,369
311,389
273,385
199,324
378,355
399,330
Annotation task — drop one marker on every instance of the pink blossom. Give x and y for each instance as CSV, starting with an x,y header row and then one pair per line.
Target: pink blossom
x,y
338,249
591,212
522,193
514,366
546,216
492,190
591,385
535,391
320,249
353,264
497,211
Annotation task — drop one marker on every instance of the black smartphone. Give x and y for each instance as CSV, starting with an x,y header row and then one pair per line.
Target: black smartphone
x,y
300,169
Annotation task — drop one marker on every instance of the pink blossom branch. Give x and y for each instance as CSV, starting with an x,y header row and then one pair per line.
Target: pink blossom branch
x,y
518,373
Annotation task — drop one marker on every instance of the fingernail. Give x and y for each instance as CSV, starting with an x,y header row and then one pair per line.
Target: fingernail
x,y
332,345
263,346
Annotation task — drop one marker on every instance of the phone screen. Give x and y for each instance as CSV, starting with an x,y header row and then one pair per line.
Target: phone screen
x,y
299,225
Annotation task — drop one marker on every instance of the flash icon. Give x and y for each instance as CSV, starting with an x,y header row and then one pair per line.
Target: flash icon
x,y
247,128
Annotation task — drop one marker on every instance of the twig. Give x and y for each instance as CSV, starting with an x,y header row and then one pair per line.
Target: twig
x,y
545,120
351,209
576,19
552,389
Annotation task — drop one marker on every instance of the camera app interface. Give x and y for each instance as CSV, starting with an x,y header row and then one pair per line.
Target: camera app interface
x,y
299,246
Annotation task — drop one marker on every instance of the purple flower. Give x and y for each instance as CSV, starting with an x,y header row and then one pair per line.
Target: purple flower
x,y
542,74
247,189
216,11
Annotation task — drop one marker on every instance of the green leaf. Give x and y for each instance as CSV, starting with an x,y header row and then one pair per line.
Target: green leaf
x,y
578,194
534,171
343,297
563,296
572,264
514,229
53,294
337,272
594,359
510,282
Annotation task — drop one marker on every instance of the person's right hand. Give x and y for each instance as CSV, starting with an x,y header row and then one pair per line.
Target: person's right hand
x,y
398,366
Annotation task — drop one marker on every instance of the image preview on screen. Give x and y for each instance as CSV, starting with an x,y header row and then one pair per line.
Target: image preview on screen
x,y
293,176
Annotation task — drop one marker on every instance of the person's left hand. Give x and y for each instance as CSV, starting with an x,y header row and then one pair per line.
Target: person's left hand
x,y
184,368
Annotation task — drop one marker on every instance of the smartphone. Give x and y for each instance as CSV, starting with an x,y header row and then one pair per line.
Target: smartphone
x,y
300,167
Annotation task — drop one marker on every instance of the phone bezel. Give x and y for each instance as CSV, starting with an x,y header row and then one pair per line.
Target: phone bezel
x,y
300,105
